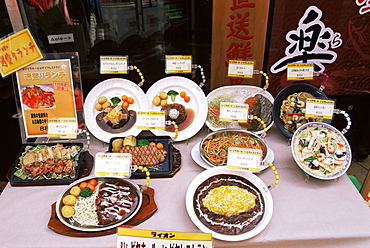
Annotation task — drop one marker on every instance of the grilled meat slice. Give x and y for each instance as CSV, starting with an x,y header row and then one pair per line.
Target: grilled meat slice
x,y
145,155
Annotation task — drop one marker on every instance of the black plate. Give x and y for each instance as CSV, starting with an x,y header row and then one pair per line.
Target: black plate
x,y
16,181
164,168
283,94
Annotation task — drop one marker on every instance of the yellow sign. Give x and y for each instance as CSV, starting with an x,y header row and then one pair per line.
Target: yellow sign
x,y
18,51
45,91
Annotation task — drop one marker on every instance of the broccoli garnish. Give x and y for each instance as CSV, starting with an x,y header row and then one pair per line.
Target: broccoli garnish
x,y
172,94
143,142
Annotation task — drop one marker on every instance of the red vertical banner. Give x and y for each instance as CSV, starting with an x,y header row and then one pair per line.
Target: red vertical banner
x,y
238,33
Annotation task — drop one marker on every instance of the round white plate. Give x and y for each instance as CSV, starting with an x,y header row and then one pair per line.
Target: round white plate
x,y
256,181
198,103
195,154
236,94
332,129
111,88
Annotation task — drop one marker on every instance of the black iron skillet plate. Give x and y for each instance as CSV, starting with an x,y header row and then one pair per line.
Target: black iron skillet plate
x,y
164,169
16,181
283,95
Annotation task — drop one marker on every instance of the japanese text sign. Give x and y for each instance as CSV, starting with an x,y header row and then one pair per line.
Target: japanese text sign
x,y
113,65
240,69
113,164
318,108
18,51
62,127
151,120
244,159
178,64
233,112
129,237
300,71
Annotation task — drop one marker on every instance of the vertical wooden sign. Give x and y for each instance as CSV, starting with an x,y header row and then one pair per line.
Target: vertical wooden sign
x,y
238,33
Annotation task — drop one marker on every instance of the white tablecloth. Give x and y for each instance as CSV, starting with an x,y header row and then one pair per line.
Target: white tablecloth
x,y
317,213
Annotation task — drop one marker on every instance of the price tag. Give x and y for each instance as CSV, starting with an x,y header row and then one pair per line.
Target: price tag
x,y
151,120
318,108
234,112
239,68
132,237
178,64
62,127
113,164
113,64
244,159
300,71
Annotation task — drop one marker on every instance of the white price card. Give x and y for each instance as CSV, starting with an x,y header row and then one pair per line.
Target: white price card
x,y
300,71
318,108
151,120
234,112
113,64
239,68
62,127
244,159
139,238
178,64
113,164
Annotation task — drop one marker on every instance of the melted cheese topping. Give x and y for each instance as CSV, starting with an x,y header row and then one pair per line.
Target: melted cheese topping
x,y
229,200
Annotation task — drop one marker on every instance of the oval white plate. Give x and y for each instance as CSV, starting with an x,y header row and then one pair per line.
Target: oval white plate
x,y
198,103
238,94
256,181
195,154
111,88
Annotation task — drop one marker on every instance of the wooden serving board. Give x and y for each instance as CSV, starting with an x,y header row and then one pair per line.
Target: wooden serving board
x,y
147,210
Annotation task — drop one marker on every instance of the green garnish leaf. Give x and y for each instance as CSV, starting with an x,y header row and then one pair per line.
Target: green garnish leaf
x,y
115,100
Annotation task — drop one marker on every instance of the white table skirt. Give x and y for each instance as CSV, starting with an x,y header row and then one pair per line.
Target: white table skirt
x,y
314,214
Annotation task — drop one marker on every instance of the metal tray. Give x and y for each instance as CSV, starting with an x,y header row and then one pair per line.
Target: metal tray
x,y
83,160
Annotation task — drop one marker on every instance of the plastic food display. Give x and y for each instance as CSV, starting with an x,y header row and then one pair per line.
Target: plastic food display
x,y
111,106
184,103
97,204
321,150
213,207
259,100
289,107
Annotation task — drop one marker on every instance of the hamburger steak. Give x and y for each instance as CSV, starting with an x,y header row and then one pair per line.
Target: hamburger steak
x,y
175,112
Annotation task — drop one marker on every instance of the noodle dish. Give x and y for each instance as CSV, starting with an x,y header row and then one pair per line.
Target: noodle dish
x,y
214,147
97,204
321,150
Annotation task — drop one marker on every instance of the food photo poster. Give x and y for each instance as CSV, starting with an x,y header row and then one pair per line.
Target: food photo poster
x,y
45,91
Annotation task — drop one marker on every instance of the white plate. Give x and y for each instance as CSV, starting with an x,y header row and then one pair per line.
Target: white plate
x,y
323,126
256,181
195,154
198,103
111,88
236,94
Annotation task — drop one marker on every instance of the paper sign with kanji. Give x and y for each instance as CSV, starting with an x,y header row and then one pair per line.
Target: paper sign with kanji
x,y
17,51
